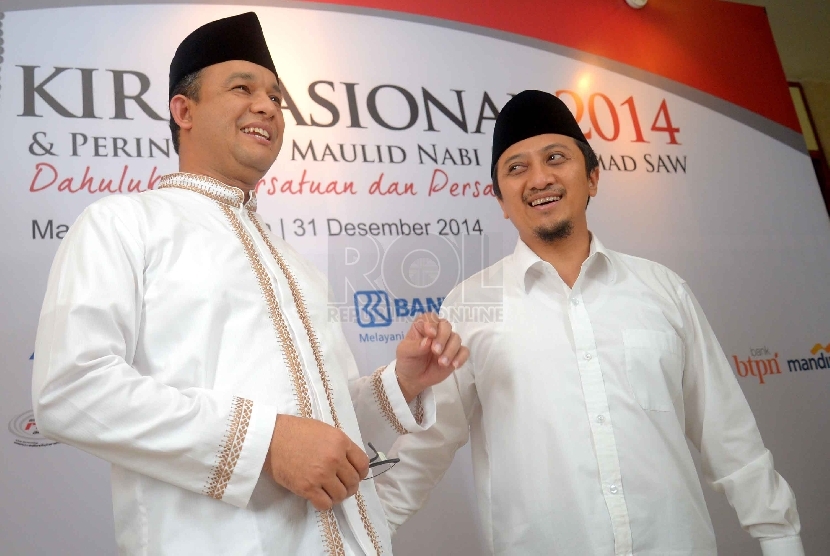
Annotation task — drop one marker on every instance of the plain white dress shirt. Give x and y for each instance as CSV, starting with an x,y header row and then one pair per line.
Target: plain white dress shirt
x,y
579,403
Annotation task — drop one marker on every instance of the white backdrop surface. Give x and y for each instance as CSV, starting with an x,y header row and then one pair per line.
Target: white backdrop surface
x,y
734,211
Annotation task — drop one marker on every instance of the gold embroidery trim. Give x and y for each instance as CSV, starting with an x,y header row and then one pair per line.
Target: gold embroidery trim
x,y
328,524
419,410
364,515
214,196
383,402
299,302
292,359
240,418
326,520
208,187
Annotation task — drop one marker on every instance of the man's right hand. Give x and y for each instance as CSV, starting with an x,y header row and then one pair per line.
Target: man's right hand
x,y
315,461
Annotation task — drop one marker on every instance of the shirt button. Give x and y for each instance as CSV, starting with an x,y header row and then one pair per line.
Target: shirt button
x,y
588,356
600,419
613,489
574,302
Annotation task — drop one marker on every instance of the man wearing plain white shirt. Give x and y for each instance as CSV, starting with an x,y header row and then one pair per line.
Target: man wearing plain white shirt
x,y
580,400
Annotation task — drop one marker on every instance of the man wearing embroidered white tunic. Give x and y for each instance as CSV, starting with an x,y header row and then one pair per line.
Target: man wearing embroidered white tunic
x,y
183,343
580,402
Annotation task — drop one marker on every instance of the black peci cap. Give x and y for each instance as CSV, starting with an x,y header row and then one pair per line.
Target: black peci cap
x,y
528,114
233,38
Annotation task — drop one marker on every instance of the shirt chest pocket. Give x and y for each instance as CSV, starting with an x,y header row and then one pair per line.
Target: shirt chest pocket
x,y
654,367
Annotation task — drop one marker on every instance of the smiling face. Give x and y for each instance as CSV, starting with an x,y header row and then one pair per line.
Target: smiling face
x,y
545,188
234,131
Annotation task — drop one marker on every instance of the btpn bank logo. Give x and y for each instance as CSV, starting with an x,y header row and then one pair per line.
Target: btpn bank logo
x,y
762,365
24,428
759,364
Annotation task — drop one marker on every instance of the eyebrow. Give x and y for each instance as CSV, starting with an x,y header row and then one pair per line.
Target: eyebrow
x,y
545,149
275,86
239,75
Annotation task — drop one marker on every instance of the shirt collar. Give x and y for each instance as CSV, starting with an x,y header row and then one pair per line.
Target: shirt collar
x,y
525,259
209,187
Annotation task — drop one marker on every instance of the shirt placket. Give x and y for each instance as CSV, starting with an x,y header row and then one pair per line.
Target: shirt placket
x,y
344,520
283,297
599,418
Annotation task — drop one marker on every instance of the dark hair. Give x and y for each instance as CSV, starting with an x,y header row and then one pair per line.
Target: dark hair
x,y
591,163
187,86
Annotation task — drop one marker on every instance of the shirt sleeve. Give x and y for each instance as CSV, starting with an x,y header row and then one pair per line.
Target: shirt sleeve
x,y
720,424
426,455
381,409
380,402
87,393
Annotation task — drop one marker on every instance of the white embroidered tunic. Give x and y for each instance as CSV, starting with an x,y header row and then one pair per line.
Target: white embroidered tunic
x,y
174,330
579,403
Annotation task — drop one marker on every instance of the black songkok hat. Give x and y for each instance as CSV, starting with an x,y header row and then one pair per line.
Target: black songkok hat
x,y
234,38
528,114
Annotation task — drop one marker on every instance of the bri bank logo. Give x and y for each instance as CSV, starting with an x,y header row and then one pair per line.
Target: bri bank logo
x,y
376,285
762,365
373,308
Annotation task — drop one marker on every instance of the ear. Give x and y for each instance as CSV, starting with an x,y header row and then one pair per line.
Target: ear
x,y
593,182
504,212
181,110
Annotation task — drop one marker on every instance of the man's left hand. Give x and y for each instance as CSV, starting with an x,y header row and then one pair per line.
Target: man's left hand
x,y
427,355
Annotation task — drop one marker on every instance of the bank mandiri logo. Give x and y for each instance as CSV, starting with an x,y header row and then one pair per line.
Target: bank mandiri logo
x,y
24,428
762,364
818,361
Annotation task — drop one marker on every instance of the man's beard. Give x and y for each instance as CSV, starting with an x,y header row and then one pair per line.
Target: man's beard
x,y
556,232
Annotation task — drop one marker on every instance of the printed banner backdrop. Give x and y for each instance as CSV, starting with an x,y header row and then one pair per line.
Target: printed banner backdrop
x,y
383,183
